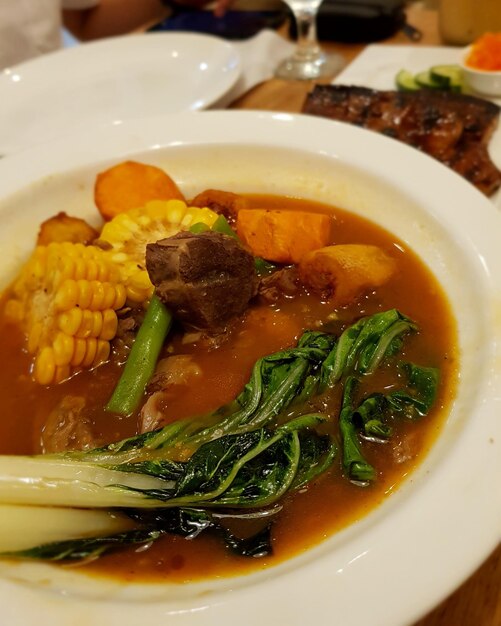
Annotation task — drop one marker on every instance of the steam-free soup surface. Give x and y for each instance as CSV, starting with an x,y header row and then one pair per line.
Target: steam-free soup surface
x,y
332,501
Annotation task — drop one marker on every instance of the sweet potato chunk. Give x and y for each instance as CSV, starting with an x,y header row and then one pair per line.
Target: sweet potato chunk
x,y
62,227
344,272
130,185
283,236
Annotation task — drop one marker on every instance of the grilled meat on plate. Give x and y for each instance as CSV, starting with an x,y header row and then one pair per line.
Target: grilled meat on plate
x,y
453,128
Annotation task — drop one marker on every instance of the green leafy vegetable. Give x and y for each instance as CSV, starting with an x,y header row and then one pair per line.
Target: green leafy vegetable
x,y
80,549
410,403
354,464
238,461
363,346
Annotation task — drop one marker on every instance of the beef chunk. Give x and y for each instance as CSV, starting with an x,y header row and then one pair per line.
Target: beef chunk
x,y
129,322
68,428
284,282
171,372
205,279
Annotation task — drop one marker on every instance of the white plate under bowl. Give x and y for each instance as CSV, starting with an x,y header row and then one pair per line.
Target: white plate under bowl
x,y
425,539
113,79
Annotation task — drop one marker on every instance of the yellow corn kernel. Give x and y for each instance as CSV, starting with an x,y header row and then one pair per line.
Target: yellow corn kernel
x,y
196,215
156,209
68,267
45,366
139,279
66,295
102,271
70,321
109,326
176,210
63,347
120,257
64,299
139,295
102,352
97,324
62,373
79,352
87,324
81,265
120,296
96,301
90,352
84,293
108,296
92,270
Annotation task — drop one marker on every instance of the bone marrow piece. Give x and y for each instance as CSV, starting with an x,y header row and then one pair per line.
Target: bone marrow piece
x,y
453,128
206,279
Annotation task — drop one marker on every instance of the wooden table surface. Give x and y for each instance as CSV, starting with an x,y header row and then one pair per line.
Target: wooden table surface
x,y
478,601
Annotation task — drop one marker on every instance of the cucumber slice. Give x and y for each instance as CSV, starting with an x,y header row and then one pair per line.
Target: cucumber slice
x,y
450,76
425,79
405,81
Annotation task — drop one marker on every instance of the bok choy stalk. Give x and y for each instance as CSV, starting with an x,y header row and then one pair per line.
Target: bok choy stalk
x,y
241,458
188,523
252,469
18,532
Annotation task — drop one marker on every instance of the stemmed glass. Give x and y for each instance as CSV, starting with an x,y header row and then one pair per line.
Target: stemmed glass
x,y
308,61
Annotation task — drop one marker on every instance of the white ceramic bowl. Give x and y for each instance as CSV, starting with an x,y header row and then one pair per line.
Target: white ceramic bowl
x,y
405,556
485,82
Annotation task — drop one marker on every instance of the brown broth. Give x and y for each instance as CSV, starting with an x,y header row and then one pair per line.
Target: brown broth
x,y
325,506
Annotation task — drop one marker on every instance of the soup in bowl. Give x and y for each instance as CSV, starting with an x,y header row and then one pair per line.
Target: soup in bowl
x,y
271,361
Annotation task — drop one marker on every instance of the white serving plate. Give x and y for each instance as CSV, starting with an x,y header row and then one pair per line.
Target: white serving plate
x,y
114,79
403,558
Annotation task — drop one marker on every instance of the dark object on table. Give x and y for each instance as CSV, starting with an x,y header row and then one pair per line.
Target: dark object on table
x,y
233,24
353,21
453,128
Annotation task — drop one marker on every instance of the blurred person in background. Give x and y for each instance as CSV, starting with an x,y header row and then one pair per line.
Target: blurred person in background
x,y
29,28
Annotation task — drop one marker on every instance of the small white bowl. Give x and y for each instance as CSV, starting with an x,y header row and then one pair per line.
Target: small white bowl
x,y
485,82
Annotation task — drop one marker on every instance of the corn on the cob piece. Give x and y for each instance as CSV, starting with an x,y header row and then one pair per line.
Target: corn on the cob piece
x,y
129,232
65,300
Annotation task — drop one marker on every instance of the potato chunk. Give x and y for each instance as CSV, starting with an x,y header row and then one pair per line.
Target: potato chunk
x,y
223,202
283,236
62,228
130,185
344,272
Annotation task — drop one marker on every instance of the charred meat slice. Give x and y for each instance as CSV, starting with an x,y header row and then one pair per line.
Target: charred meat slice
x,y
206,279
453,128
